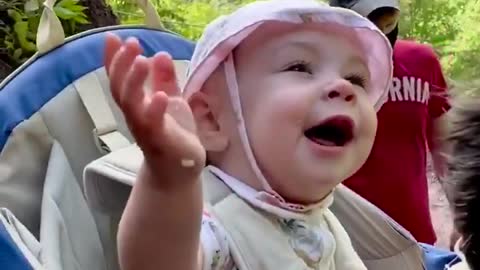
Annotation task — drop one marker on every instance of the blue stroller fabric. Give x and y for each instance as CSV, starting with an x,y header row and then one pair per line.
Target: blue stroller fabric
x,y
437,258
11,257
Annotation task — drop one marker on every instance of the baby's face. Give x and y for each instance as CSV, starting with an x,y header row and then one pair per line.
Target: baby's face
x,y
304,96
305,101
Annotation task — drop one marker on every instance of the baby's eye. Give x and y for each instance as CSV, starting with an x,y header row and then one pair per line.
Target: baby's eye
x,y
299,67
357,80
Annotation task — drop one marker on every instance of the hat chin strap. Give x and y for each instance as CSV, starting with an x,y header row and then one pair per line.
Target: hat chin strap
x,y
232,86
268,194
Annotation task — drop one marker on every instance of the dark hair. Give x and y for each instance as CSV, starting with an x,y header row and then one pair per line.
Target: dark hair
x,y
393,36
379,12
343,3
464,176
374,14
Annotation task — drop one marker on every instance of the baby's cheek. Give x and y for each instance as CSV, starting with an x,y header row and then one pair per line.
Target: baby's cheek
x,y
371,121
367,113
293,108
367,134
274,130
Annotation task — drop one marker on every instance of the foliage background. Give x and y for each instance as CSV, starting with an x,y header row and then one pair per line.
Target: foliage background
x,y
448,25
18,27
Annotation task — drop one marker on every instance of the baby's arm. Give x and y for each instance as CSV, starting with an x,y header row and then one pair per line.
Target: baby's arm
x,y
160,228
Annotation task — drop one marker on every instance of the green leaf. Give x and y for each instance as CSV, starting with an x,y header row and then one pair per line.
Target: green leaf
x,y
17,53
31,5
66,3
64,13
9,45
77,8
33,23
81,20
14,14
21,31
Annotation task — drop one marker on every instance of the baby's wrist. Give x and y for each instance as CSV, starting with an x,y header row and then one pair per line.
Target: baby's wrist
x,y
167,179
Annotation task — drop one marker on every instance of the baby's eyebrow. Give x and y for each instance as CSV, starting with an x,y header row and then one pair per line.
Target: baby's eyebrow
x,y
297,44
359,61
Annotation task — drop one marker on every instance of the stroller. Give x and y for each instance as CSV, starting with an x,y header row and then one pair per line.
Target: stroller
x,y
67,160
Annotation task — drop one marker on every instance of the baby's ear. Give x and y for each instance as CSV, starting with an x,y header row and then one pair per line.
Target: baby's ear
x,y
205,109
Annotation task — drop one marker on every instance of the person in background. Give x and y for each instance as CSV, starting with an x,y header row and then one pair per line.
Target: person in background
x,y
412,121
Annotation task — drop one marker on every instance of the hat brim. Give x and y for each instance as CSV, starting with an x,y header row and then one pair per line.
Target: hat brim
x,y
224,35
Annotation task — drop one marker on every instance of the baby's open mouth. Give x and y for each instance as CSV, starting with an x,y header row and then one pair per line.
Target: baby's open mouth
x,y
335,131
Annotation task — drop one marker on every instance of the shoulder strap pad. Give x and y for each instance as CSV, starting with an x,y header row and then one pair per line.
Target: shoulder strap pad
x,y
379,240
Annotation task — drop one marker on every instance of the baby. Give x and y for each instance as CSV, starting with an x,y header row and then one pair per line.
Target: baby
x,y
281,99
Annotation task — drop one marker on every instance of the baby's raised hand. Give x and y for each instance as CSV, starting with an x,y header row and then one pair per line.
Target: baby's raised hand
x,y
159,119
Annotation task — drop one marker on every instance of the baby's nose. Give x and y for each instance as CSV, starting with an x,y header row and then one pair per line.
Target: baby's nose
x,y
341,89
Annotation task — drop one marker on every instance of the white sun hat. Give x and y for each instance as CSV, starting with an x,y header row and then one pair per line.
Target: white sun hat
x,y
224,34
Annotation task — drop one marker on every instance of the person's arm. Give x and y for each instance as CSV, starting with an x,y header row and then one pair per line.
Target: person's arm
x,y
438,107
438,146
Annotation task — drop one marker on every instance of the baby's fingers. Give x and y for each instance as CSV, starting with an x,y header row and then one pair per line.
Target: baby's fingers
x,y
155,111
163,75
132,97
168,136
121,63
153,123
113,43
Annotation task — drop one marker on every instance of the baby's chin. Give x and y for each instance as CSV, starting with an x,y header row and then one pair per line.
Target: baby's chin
x,y
306,199
309,191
